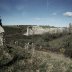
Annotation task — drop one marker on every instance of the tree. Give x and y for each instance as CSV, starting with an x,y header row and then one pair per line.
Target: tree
x,y
0,21
70,27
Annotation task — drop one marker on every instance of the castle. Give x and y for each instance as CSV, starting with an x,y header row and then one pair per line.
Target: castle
x,y
38,30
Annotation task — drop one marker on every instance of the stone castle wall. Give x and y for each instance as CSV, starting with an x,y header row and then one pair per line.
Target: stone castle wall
x,y
40,30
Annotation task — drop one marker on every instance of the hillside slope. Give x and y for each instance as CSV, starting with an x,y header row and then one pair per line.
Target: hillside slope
x,y
39,61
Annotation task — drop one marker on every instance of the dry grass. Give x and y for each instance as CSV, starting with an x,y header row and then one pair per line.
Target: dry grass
x,y
40,61
51,62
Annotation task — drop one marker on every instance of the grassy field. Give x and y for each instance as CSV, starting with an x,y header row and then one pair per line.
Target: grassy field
x,y
50,52
17,59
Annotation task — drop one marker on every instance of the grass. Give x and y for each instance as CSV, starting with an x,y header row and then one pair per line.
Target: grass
x,y
14,58
39,61
51,62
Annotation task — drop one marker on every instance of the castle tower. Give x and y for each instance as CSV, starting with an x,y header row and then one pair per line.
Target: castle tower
x,y
29,30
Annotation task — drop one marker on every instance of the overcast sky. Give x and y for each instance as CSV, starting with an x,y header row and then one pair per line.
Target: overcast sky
x,y
36,12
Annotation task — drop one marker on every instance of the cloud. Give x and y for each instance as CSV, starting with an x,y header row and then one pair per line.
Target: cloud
x,y
69,14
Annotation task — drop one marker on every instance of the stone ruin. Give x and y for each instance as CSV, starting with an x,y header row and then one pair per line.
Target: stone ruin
x,y
37,30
